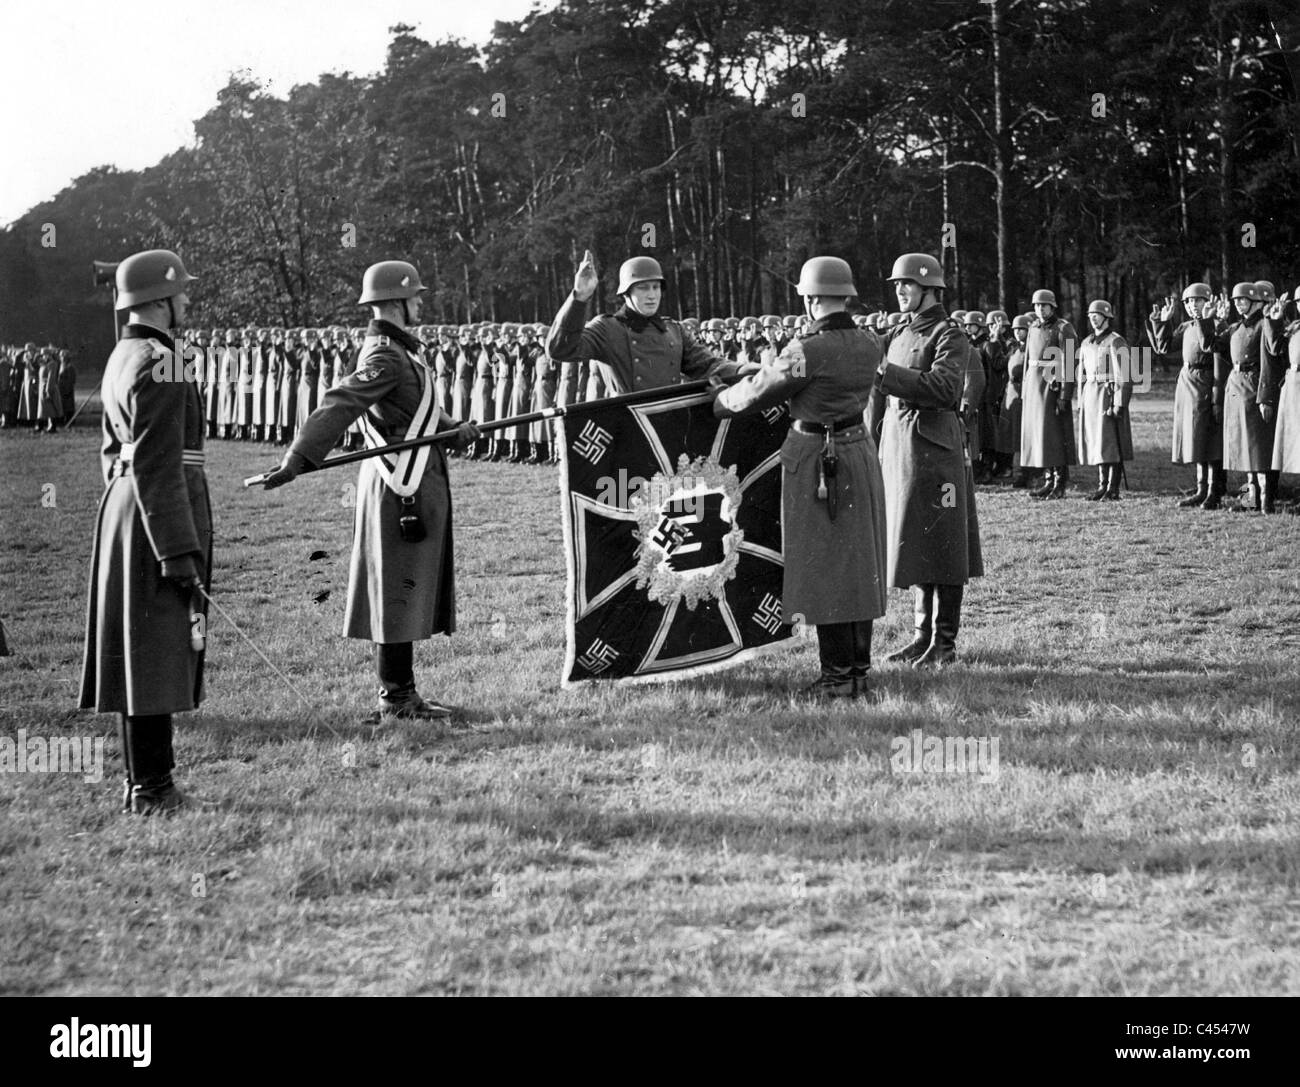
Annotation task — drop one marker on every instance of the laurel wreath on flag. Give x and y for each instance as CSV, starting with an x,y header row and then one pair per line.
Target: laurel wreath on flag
x,y
653,567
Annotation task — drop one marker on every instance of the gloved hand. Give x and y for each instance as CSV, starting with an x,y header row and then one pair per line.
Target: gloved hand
x,y
1268,412
183,570
1113,411
290,468
466,434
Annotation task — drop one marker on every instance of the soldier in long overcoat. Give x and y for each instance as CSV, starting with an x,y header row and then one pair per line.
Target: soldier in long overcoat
x,y
153,535
1247,424
1280,347
914,413
49,404
1105,387
67,385
1198,396
834,547
401,583
1047,389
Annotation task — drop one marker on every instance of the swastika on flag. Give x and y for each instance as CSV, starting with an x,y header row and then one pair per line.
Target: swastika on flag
x,y
592,443
669,535
768,615
599,656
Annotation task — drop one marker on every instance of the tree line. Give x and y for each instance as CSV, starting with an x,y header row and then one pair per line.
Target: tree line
x,y
1102,148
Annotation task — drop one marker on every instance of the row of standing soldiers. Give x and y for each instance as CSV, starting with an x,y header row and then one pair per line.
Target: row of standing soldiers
x,y
260,384
38,386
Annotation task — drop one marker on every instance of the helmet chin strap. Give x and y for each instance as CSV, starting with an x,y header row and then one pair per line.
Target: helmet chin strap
x,y
406,310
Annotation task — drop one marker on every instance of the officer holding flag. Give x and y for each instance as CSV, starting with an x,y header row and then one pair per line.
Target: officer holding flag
x,y
400,588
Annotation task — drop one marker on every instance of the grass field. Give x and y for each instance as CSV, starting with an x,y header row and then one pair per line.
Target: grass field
x,y
1135,663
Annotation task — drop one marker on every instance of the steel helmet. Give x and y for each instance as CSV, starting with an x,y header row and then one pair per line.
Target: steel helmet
x,y
893,319
638,270
732,322
1266,291
1021,320
997,313
827,277
714,324
919,268
771,320
1197,290
1044,296
389,279
975,317
1102,307
149,276
789,321
958,315
1245,290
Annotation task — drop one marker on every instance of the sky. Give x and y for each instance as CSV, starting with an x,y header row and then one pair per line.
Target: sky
x,y
86,83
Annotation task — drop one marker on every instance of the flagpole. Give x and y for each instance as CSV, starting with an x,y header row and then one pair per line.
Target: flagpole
x,y
500,424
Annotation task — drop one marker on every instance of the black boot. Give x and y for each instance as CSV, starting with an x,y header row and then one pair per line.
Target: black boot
x,y
1049,482
398,697
541,454
517,457
1218,486
862,657
1202,491
1100,492
1270,491
947,621
835,646
923,610
1020,478
1112,482
124,745
1061,478
499,450
149,741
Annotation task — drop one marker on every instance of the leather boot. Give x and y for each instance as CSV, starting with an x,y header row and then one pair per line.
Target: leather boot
x,y
149,740
835,646
1049,483
1112,482
1250,503
1202,491
1270,491
1020,478
1061,478
1102,479
541,454
923,606
947,621
862,657
517,457
1218,486
498,450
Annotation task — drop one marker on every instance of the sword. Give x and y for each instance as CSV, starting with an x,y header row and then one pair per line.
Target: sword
x,y
498,424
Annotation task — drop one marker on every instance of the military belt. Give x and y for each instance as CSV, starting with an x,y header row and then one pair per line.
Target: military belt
x,y
833,428
193,458
1246,368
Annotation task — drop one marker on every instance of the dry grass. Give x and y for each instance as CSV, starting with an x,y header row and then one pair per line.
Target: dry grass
x,y
1135,663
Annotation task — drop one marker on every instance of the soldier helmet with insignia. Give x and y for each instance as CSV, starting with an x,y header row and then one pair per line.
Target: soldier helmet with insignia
x,y
1021,320
826,277
714,324
638,270
1245,290
1265,290
389,280
919,268
996,314
749,322
1044,297
1103,307
150,276
958,315
974,317
893,319
771,320
1197,290
789,321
